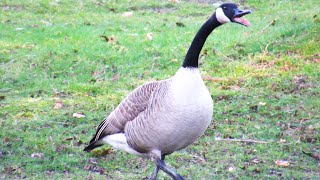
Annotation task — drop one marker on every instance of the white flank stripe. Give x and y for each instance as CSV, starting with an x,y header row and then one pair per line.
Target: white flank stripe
x,y
119,141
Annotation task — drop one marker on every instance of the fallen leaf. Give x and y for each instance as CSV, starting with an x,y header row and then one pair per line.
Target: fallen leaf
x,y
110,40
127,14
256,161
115,77
37,155
282,140
94,168
282,163
78,143
93,73
58,105
93,160
6,139
78,115
180,24
296,79
174,60
262,103
150,36
230,169
60,148
69,139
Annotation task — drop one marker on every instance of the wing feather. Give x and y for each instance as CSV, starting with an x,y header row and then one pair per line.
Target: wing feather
x,y
135,103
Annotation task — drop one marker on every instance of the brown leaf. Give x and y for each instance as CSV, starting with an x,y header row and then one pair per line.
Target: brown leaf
x,y
127,14
93,168
282,163
60,148
93,160
149,36
78,143
180,24
37,155
78,115
110,40
93,73
69,139
255,160
174,60
88,167
58,105
115,77
6,139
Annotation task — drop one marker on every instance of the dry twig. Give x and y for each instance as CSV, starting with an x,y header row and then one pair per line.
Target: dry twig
x,y
271,23
245,140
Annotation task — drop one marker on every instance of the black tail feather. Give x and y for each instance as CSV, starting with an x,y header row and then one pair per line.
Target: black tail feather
x,y
92,146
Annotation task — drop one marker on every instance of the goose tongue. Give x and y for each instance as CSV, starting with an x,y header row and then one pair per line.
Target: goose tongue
x,y
242,21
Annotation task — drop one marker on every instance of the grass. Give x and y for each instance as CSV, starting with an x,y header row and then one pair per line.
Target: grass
x,y
87,56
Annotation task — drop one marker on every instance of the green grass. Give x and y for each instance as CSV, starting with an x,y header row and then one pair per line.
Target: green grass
x,y
52,51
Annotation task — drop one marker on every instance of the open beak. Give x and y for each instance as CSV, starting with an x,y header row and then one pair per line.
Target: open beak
x,y
238,17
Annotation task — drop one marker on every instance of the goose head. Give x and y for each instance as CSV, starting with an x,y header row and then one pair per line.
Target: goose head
x,y
229,12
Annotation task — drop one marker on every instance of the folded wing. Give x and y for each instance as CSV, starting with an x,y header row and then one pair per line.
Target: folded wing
x,y
135,103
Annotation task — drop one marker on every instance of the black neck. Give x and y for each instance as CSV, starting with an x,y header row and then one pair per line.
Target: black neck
x,y
191,59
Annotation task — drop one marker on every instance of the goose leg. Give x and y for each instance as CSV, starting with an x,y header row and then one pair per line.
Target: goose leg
x,y
156,170
155,173
162,165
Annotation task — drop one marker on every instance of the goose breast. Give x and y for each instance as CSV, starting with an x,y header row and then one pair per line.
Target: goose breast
x,y
179,112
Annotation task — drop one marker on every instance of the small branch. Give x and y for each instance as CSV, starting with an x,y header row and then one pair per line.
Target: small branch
x,y
245,140
271,23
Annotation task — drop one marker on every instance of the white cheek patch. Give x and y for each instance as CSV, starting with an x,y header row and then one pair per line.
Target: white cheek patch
x,y
221,17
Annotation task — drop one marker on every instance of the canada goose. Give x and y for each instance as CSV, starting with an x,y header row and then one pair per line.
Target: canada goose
x,y
161,117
